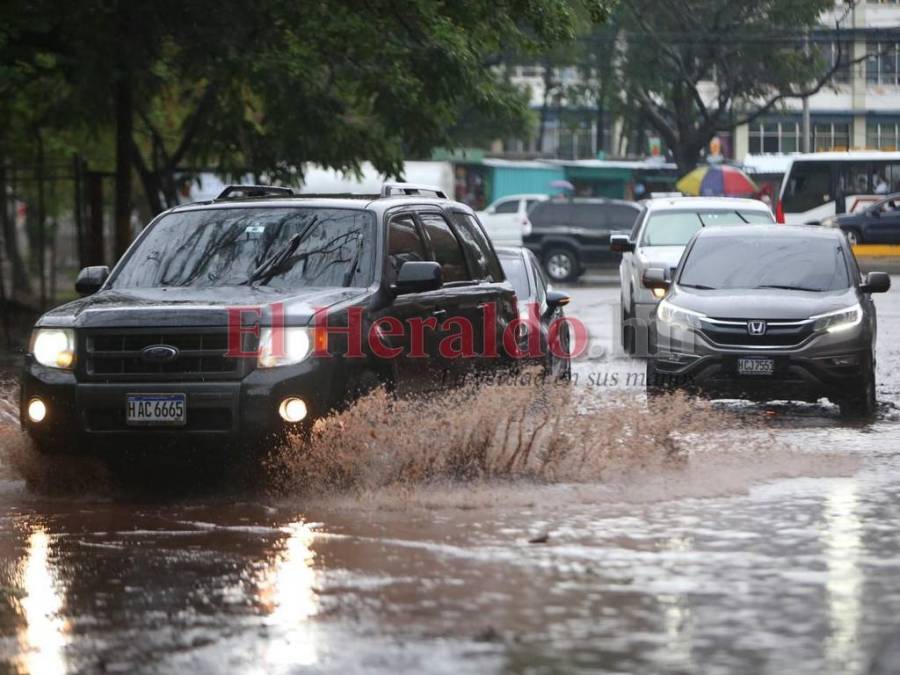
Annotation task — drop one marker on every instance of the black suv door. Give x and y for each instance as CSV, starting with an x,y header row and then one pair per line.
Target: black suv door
x,y
496,298
419,366
462,298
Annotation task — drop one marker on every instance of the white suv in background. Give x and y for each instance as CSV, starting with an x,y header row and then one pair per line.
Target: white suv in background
x,y
506,220
658,239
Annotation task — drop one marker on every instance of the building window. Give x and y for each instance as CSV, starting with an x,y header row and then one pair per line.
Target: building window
x,y
831,136
882,135
881,62
774,137
840,53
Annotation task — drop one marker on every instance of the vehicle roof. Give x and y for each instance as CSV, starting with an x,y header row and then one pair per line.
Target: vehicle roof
x,y
589,200
772,231
523,195
509,251
689,203
359,202
870,155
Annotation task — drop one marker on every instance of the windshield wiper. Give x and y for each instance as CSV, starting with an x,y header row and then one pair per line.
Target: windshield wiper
x,y
275,263
700,287
354,262
790,288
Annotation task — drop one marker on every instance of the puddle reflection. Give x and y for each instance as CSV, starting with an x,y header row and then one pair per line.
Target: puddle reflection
x,y
288,593
45,633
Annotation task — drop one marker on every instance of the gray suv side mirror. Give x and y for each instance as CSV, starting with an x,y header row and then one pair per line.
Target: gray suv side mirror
x,y
91,279
418,277
621,243
876,282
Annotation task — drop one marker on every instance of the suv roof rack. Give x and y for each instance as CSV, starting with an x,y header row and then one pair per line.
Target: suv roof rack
x,y
254,192
392,189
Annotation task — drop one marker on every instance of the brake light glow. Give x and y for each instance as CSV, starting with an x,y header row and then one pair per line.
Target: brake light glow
x,y
779,212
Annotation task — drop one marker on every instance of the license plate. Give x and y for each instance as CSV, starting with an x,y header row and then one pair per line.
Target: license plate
x,y
155,409
756,366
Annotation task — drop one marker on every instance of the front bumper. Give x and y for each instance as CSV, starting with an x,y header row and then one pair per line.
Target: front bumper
x,y
826,366
220,412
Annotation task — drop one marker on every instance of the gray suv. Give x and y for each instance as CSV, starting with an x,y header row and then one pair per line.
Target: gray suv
x,y
767,312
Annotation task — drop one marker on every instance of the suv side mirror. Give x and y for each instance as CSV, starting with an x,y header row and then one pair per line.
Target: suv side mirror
x,y
621,243
876,282
90,279
655,278
556,299
418,277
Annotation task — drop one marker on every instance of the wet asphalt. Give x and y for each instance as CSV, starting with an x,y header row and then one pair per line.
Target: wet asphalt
x,y
781,563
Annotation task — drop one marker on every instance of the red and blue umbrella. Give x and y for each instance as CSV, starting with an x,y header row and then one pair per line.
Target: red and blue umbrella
x,y
717,181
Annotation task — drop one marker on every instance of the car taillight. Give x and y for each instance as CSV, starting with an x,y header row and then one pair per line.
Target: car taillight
x,y
779,212
526,227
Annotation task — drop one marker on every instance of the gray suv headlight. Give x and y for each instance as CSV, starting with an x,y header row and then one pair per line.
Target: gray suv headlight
x,y
672,315
840,320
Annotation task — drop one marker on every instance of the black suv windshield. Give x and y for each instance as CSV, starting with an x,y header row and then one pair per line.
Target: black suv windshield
x,y
793,263
280,247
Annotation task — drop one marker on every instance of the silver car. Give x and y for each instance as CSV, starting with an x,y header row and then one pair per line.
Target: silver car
x,y
658,240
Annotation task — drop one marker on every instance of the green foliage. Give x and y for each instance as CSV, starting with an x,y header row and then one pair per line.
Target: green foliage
x,y
270,86
751,51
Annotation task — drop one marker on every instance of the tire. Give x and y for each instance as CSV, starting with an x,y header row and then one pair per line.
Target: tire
x,y
862,403
561,264
655,388
854,237
627,330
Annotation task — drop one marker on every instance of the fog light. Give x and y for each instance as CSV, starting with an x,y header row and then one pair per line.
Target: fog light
x,y
292,410
37,411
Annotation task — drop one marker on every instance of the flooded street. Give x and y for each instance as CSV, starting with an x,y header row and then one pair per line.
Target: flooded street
x,y
777,549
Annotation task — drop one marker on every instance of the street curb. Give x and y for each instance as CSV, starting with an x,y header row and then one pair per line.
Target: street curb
x,y
877,251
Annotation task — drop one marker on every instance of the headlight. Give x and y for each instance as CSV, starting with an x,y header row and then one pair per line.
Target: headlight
x,y
53,347
841,320
294,348
669,314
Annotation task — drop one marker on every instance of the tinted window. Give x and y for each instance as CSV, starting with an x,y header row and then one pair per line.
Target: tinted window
x,y
282,248
548,214
620,217
404,242
675,228
591,216
530,203
447,250
808,263
808,186
481,255
507,207
517,275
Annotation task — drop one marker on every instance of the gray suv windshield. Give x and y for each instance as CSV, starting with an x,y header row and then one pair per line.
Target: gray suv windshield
x,y
284,248
675,228
795,263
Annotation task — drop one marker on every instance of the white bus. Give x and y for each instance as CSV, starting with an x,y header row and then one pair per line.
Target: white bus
x,y
820,185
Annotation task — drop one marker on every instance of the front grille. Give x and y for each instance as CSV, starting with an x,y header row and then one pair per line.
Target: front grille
x,y
780,333
119,354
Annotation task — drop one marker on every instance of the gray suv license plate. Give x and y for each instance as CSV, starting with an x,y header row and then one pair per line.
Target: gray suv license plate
x,y
756,366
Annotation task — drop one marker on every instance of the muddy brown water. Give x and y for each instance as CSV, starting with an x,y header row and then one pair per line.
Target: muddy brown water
x,y
734,539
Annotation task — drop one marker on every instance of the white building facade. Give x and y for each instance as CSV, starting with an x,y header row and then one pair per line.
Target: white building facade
x,y
861,109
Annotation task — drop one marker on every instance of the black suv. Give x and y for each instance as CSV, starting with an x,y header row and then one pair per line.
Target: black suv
x,y
569,234
260,311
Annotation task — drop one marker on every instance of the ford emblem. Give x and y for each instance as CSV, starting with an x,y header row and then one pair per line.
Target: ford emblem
x,y
159,353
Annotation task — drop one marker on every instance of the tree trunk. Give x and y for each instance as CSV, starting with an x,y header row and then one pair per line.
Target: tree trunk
x,y
18,277
124,116
95,253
